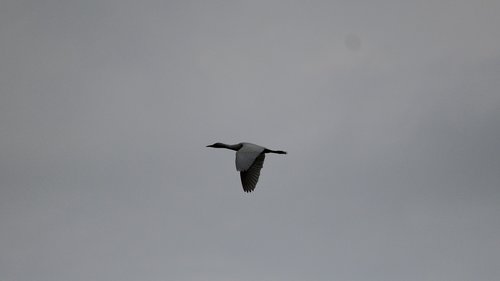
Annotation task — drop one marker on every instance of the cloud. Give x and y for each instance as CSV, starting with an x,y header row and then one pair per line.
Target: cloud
x,y
389,112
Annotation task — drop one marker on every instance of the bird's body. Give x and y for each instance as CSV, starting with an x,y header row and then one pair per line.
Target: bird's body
x,y
249,161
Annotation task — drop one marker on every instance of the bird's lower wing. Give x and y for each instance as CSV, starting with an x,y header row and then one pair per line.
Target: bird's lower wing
x,y
250,177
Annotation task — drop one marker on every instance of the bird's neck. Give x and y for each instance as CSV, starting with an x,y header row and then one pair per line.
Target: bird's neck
x,y
234,147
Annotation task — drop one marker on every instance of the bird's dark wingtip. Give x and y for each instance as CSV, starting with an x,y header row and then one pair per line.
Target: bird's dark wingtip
x,y
248,189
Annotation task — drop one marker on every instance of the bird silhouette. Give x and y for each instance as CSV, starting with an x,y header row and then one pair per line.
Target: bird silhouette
x,y
249,161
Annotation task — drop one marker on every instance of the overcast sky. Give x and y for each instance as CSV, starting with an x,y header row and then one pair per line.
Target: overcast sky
x,y
389,111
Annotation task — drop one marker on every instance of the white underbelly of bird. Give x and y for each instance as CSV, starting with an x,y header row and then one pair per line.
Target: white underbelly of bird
x,y
249,161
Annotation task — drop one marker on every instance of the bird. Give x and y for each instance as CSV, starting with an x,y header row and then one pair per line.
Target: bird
x,y
249,161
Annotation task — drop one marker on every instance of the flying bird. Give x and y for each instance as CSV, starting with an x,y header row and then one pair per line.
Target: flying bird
x,y
249,161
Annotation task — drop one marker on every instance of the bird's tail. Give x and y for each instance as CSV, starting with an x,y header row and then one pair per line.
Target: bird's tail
x,y
277,151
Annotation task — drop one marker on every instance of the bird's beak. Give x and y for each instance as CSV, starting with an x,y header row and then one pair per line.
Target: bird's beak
x,y
210,145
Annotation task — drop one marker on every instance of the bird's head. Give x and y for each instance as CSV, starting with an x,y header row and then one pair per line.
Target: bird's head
x,y
217,145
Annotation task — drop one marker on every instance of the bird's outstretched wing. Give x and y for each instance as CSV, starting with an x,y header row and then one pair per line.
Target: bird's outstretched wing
x,y
246,156
250,177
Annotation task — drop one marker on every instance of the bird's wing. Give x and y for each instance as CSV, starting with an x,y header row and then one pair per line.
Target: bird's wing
x,y
246,155
250,177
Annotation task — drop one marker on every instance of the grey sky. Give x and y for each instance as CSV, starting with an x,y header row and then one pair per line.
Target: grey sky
x,y
390,112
